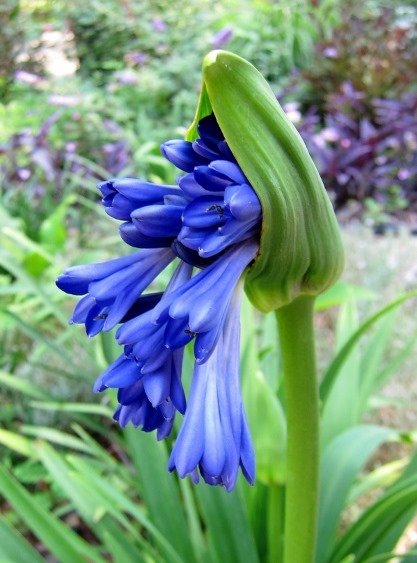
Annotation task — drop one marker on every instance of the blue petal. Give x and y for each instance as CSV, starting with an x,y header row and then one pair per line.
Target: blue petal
x,y
205,342
181,154
133,237
203,150
75,280
247,453
225,151
158,384
214,455
144,304
189,446
71,284
243,202
143,192
188,255
191,237
191,187
164,429
124,287
133,393
82,309
119,207
210,132
204,212
210,179
227,235
94,323
177,334
158,220
177,391
122,373
136,329
230,170
157,361
145,350
203,297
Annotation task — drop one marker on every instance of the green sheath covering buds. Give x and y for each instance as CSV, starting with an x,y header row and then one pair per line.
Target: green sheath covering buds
x,y
300,251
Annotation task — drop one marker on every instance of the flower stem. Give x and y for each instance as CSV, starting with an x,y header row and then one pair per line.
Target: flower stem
x,y
296,332
275,522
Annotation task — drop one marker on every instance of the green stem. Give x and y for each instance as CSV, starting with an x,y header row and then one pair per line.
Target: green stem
x,y
296,331
275,522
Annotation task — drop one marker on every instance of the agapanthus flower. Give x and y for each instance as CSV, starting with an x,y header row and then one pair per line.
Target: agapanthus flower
x,y
209,224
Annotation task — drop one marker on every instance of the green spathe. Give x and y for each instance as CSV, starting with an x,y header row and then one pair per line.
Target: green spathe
x,y
300,249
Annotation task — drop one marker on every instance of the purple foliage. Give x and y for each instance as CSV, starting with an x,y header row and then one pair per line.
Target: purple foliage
x,y
364,152
48,162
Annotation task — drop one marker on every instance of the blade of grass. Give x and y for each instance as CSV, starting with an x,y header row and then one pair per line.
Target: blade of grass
x,y
17,443
340,410
55,436
151,460
371,359
23,386
331,373
115,501
67,546
88,507
340,464
379,528
229,533
14,546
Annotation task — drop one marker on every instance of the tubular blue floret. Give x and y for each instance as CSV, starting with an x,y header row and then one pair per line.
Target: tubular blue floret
x,y
113,287
214,436
182,155
131,236
122,196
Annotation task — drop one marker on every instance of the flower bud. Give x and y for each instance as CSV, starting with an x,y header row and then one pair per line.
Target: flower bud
x,y
300,248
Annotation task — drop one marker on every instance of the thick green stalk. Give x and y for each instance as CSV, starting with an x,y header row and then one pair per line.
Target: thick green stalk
x,y
296,332
275,522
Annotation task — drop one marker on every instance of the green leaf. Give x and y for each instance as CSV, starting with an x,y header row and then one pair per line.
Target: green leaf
x,y
341,461
379,528
339,293
24,386
14,547
55,436
379,478
67,546
115,538
116,503
151,461
229,533
268,430
87,408
17,443
53,232
371,361
410,557
334,368
340,411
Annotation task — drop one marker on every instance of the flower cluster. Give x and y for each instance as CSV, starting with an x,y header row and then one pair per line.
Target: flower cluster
x,y
209,223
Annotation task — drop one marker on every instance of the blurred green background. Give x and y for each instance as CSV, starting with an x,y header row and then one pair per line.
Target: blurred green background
x,y
88,90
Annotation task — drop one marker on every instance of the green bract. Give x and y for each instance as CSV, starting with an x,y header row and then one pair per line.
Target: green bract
x,y
300,248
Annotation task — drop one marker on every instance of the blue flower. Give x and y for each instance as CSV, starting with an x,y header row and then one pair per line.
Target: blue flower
x,y
209,224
